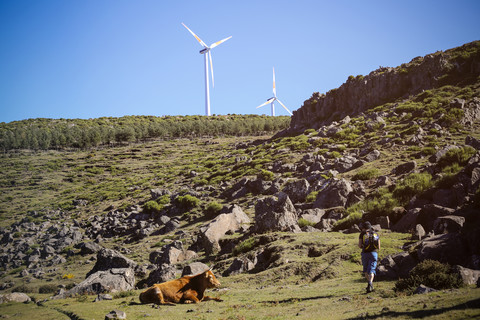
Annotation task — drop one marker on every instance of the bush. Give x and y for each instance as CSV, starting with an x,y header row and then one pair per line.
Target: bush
x,y
48,288
304,222
266,175
412,185
459,155
213,208
152,207
366,174
311,197
187,201
245,246
432,274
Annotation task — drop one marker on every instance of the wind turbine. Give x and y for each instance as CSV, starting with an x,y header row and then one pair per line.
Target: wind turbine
x,y
207,56
274,98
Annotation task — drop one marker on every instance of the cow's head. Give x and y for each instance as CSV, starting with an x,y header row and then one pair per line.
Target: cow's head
x,y
211,280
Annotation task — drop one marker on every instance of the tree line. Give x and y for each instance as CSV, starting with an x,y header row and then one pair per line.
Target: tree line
x,y
45,134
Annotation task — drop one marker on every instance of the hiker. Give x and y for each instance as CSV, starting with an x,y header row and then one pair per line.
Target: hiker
x,y
369,242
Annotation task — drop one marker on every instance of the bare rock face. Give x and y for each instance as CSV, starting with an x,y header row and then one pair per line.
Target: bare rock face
x,y
276,214
226,222
359,93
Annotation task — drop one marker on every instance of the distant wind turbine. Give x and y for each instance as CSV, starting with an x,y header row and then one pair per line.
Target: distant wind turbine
x,y
274,98
207,56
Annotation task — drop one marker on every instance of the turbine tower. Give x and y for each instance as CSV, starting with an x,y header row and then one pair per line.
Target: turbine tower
x,y
207,56
274,98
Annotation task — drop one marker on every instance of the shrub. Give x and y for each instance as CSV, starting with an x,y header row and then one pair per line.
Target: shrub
x,y
366,174
458,155
410,186
187,201
311,197
266,175
48,288
152,207
68,276
432,274
304,222
245,246
213,208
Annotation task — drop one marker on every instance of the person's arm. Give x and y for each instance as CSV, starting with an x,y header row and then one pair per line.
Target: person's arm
x,y
379,244
360,244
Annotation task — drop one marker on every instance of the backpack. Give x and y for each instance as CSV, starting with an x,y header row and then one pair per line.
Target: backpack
x,y
370,241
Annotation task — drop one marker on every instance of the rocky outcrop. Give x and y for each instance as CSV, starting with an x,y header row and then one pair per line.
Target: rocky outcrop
x,y
108,259
14,297
382,85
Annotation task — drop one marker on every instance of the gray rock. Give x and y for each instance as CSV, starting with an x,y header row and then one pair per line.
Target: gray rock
x,y
297,190
239,265
313,215
194,268
423,289
108,259
405,168
161,274
429,213
372,156
88,247
346,163
14,297
440,153
419,233
471,141
468,276
276,214
231,221
446,248
335,194
408,221
115,314
448,224
113,280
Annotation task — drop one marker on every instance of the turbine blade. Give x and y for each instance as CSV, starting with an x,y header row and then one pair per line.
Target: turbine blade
x,y
265,103
211,67
213,45
196,37
274,88
284,107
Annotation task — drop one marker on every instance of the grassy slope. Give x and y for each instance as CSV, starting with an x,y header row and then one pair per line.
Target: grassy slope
x,y
284,293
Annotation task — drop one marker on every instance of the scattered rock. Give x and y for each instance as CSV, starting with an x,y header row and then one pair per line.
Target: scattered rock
x,y
194,268
113,280
108,259
335,194
115,314
297,190
468,276
162,273
405,168
423,289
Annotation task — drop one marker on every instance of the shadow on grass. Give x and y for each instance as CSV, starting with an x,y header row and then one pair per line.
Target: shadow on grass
x,y
293,300
472,304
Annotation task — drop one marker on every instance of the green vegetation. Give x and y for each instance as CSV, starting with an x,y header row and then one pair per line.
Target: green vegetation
x,y
366,174
45,134
413,184
432,274
187,201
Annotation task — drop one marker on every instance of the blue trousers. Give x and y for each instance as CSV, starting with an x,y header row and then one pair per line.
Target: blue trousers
x,y
369,262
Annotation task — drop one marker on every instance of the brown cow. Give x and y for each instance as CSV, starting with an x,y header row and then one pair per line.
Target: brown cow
x,y
186,289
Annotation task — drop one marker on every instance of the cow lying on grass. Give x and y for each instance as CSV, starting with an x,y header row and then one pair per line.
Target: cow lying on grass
x,y
186,289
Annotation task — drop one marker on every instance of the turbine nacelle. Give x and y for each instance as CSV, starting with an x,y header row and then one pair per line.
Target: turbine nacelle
x,y
204,50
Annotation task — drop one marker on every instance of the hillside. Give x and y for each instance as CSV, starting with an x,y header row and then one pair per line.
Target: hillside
x,y
277,216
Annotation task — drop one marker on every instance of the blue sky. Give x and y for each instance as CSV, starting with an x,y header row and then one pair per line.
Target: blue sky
x,y
96,58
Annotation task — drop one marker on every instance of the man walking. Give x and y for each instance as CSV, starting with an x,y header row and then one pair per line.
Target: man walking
x,y
369,242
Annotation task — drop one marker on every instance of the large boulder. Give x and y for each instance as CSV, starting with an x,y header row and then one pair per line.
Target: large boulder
x,y
447,248
239,265
194,268
14,297
113,280
468,276
396,266
335,194
108,259
276,214
404,168
448,224
297,190
162,273
171,254
347,163
313,215
429,213
231,221
408,221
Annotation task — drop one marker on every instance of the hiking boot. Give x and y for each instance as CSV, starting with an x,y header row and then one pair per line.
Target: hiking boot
x,y
369,288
